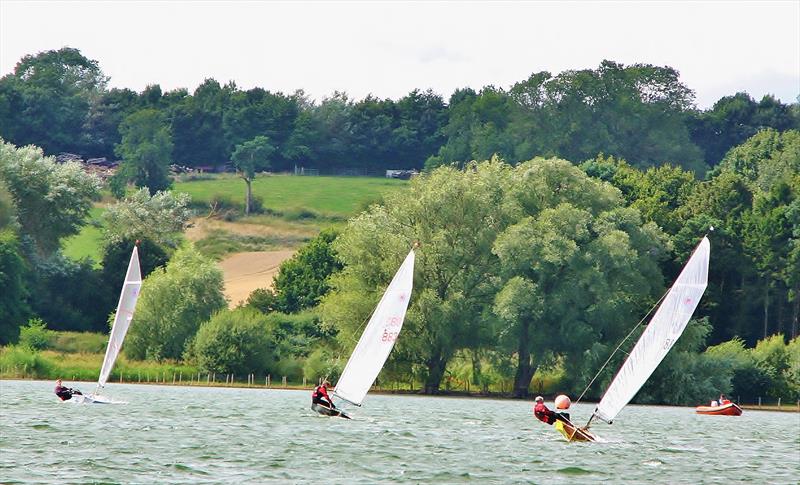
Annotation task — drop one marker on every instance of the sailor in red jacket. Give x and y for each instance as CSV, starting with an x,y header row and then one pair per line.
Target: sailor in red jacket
x,y
320,395
542,413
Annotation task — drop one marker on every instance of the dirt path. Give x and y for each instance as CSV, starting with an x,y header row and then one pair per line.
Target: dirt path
x,y
244,272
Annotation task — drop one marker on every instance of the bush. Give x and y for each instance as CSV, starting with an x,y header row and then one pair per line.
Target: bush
x,y
235,342
173,304
35,335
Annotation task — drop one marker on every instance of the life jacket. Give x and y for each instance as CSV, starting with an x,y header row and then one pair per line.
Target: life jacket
x,y
543,414
319,392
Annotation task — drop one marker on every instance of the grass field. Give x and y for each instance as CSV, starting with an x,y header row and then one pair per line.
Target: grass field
x,y
336,197
299,207
86,244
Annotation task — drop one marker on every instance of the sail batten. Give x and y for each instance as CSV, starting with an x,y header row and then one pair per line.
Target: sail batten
x,y
122,319
664,329
378,338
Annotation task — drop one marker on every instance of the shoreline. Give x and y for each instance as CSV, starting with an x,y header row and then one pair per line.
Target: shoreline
x,y
784,408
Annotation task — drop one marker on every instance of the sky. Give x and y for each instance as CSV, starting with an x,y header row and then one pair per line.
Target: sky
x,y
388,49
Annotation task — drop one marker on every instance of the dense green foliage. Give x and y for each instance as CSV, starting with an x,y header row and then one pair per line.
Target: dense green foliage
x,y
302,280
642,113
13,281
160,218
146,151
234,341
174,301
51,200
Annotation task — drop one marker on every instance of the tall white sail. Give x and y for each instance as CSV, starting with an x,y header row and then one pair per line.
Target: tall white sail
x,y
122,319
378,339
660,335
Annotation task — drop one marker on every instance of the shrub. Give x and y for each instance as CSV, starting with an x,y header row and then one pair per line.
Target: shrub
x,y
35,335
236,341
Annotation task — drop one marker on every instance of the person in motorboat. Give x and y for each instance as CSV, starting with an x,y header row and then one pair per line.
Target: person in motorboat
x,y
320,395
723,400
545,415
65,393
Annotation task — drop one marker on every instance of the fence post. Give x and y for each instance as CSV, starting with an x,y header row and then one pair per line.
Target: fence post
x,y
284,381
180,376
779,403
269,380
759,402
304,382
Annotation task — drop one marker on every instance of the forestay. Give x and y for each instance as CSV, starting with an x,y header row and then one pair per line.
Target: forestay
x,y
660,335
122,319
379,336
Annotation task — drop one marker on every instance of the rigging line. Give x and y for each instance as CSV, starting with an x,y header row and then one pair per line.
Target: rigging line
x,y
620,344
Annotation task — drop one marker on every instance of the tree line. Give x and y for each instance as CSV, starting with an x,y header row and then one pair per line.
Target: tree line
x,y
59,100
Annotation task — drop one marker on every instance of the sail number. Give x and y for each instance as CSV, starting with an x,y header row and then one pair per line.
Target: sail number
x,y
394,321
389,336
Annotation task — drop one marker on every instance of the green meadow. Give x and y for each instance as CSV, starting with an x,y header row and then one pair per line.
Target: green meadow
x,y
337,197
293,206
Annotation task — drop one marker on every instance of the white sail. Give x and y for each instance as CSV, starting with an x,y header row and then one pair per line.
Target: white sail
x,y
378,339
122,319
660,335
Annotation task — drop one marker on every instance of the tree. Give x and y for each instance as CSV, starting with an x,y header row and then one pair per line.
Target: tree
x,y
734,119
575,265
48,97
174,302
456,216
302,281
160,218
13,299
146,151
235,341
52,200
197,125
251,156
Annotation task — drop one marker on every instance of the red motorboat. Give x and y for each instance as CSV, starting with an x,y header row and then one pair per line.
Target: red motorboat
x,y
726,408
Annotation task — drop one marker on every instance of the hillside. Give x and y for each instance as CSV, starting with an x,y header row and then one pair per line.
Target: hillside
x,y
250,249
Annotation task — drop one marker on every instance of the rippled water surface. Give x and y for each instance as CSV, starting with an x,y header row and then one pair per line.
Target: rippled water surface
x,y
207,435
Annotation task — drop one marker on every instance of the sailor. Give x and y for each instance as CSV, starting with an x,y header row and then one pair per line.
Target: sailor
x,y
542,413
65,393
320,395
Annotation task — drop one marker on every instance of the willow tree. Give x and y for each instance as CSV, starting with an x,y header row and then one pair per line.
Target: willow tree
x,y
577,267
456,216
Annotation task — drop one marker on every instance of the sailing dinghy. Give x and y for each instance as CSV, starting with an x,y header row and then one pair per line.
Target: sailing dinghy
x,y
376,341
664,329
122,320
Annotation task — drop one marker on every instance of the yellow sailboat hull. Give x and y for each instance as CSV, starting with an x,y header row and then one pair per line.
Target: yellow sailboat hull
x,y
573,433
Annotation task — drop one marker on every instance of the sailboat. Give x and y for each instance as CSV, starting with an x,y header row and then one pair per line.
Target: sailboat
x,y
664,329
376,341
122,320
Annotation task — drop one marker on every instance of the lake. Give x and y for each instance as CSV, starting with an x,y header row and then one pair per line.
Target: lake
x,y
216,435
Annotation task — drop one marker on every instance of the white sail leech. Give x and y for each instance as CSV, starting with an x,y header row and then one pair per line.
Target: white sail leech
x,y
122,319
664,329
378,338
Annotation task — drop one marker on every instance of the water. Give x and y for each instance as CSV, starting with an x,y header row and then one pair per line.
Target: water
x,y
207,435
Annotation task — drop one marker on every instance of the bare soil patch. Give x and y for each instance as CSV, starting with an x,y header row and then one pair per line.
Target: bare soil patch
x,y
244,272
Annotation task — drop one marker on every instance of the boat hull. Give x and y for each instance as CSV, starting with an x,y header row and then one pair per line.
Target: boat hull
x,y
326,411
730,409
573,433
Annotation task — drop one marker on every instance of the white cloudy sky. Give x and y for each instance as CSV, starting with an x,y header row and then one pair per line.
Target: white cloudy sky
x,y
390,48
